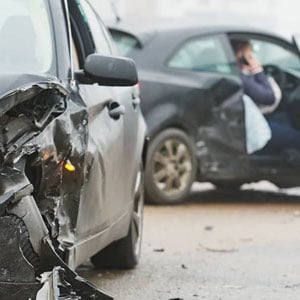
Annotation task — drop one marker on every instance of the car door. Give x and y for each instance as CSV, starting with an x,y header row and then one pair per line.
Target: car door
x,y
128,100
206,60
99,206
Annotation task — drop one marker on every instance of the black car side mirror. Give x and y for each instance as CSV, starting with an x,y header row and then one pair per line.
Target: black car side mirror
x,y
108,71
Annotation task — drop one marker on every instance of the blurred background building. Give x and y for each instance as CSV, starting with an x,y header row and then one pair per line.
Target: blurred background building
x,y
281,16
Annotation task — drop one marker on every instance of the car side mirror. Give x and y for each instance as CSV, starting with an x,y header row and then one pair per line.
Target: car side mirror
x,y
108,71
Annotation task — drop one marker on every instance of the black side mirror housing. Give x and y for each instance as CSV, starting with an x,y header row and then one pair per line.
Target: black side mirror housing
x,y
108,71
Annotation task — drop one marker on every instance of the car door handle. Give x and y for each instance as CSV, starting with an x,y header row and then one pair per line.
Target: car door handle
x,y
116,110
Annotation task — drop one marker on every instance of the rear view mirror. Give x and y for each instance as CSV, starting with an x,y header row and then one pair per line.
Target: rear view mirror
x,y
108,71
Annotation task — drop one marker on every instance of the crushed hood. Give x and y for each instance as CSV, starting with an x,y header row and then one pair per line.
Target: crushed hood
x,y
16,88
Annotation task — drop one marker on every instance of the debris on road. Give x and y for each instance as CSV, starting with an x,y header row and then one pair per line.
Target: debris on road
x,y
209,228
159,250
183,266
293,286
220,250
233,287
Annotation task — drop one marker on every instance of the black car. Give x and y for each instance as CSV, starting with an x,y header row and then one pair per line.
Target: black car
x,y
192,102
72,144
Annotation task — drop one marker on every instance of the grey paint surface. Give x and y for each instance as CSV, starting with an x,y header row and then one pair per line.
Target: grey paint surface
x,y
242,245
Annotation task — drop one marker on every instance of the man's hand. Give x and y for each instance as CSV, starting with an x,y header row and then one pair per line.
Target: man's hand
x,y
254,64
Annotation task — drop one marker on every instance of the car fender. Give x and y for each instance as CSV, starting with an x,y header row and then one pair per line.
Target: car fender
x,y
168,116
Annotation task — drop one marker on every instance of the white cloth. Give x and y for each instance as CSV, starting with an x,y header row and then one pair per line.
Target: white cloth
x,y
258,132
267,109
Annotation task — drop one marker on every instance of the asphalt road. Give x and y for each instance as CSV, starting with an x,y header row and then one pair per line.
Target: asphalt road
x,y
218,245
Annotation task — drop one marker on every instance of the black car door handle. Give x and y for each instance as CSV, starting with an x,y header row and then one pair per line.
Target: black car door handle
x,y
116,110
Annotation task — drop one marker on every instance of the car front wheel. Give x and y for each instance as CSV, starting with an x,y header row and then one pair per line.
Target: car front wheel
x,y
170,167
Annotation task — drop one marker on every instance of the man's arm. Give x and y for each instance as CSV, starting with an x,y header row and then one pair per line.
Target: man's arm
x,y
258,88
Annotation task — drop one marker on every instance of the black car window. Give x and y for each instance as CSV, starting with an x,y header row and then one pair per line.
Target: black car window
x,y
271,53
204,54
125,43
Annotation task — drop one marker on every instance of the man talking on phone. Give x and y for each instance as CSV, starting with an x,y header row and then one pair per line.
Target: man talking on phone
x,y
266,95
255,82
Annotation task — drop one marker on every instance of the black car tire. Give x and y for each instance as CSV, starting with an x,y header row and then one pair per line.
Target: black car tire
x,y
25,243
125,253
159,145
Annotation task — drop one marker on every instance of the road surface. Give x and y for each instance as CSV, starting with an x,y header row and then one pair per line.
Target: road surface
x,y
218,245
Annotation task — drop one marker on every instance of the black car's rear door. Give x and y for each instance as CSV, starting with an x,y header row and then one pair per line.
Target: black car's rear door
x,y
207,64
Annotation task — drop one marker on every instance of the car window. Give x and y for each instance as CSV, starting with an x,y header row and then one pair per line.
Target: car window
x,y
204,54
26,37
270,53
125,43
97,29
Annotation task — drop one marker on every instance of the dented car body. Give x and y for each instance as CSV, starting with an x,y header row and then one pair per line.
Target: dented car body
x,y
72,143
193,104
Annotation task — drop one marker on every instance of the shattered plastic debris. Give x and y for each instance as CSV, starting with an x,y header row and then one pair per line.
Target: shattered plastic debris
x,y
183,266
209,228
233,287
292,286
219,250
159,250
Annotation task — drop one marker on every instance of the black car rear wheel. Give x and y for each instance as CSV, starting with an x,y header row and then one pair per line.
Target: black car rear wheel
x,y
170,167
125,253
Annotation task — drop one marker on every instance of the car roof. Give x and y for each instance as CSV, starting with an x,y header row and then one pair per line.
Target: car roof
x,y
144,30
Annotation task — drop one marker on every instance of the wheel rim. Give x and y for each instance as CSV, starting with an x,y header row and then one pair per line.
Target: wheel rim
x,y
137,220
172,167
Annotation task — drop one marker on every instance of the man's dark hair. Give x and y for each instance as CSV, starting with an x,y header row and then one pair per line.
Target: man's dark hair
x,y
239,44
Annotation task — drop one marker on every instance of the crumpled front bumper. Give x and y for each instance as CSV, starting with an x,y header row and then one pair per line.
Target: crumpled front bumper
x,y
56,286
17,276
24,274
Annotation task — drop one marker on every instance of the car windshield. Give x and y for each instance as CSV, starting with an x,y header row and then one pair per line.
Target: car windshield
x,y
26,39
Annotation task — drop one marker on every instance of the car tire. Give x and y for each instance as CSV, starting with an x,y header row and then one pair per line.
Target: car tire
x,y
170,167
125,253
25,243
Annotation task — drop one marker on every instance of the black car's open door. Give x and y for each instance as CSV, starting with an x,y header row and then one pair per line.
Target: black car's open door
x,y
221,140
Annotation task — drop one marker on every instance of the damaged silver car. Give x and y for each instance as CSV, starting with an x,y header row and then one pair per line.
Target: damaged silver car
x,y
71,151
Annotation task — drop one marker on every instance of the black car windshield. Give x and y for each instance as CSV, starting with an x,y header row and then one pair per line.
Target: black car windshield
x,y
26,39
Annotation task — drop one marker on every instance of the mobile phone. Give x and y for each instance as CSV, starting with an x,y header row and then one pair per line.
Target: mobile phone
x,y
243,61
